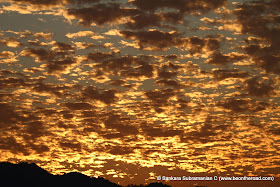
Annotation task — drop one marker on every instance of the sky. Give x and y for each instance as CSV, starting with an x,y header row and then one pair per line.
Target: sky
x,y
132,90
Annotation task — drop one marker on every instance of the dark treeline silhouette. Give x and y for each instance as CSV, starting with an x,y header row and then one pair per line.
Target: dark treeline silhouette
x,y
31,175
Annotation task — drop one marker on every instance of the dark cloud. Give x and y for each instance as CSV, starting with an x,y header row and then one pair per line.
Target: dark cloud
x,y
243,105
181,5
77,106
75,146
259,87
183,103
159,40
171,83
126,66
35,129
11,144
57,60
115,65
91,93
98,56
260,18
63,46
173,17
56,90
170,57
120,150
121,124
60,65
144,20
168,71
49,112
221,74
82,2
266,58
39,148
222,59
8,115
118,82
37,43
39,2
113,135
275,131
148,20
209,132
12,82
100,14
143,69
51,3
159,98
67,114
197,45
40,53
151,131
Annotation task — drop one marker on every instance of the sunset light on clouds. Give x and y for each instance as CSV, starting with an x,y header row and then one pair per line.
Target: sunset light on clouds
x,y
130,90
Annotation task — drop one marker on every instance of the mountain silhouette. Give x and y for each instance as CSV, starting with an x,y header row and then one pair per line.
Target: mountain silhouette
x,y
31,175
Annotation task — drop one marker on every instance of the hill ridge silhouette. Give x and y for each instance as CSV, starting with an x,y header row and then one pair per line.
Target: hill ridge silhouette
x,y
29,174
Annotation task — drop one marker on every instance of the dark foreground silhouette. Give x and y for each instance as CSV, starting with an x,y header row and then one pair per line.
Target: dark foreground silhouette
x,y
31,175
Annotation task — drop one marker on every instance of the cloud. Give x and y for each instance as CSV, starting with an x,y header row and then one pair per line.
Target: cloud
x,y
75,146
11,144
208,132
222,74
77,106
6,54
173,17
125,66
159,98
154,132
40,2
260,19
80,34
181,5
222,59
90,93
256,86
98,56
53,89
168,71
144,20
41,35
39,53
100,14
121,124
143,69
146,91
157,40
120,150
7,57
35,129
55,66
198,45
57,59
82,2
171,83
83,45
243,105
8,116
266,58
10,42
